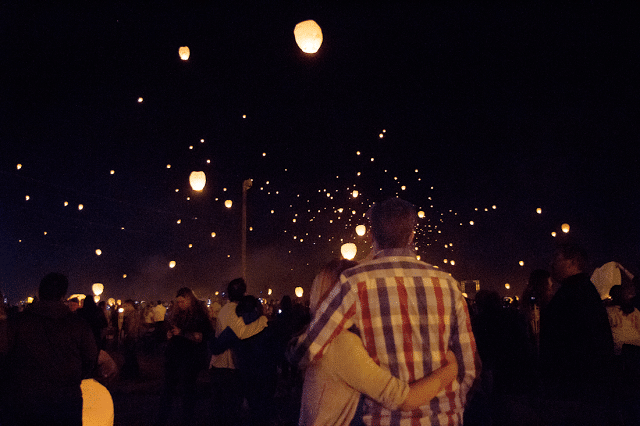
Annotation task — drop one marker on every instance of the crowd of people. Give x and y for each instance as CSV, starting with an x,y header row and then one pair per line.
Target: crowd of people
x,y
389,340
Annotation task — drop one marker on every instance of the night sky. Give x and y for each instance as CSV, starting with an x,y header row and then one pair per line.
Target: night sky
x,y
472,112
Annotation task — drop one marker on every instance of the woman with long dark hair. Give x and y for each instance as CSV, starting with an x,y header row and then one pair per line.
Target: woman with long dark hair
x,y
186,353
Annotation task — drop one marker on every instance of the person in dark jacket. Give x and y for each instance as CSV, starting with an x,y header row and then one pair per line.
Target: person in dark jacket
x,y
576,345
51,351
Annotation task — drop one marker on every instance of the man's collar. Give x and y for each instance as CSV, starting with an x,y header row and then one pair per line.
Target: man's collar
x,y
394,252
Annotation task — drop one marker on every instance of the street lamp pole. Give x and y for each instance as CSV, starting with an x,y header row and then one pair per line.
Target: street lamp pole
x,y
245,186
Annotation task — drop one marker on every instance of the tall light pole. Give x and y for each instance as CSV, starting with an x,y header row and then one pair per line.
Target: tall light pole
x,y
245,186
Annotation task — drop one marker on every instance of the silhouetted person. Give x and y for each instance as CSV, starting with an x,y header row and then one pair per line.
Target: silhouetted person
x,y
51,351
576,345
225,378
96,319
186,353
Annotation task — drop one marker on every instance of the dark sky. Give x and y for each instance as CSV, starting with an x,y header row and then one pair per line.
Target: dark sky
x,y
512,106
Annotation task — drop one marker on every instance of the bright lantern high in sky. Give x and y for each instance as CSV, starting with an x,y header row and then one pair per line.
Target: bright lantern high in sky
x,y
197,180
184,53
308,36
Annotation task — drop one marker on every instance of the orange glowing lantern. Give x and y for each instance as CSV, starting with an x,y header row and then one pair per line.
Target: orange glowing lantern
x,y
421,214
299,291
172,264
228,204
184,53
361,230
349,251
197,180
97,289
565,228
308,36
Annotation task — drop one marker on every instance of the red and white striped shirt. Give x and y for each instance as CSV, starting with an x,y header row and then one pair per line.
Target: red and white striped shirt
x,y
408,314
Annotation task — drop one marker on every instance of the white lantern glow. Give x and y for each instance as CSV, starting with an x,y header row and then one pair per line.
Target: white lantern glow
x,y
98,252
308,36
299,291
355,194
349,251
361,230
421,214
197,180
172,264
97,289
184,53
228,204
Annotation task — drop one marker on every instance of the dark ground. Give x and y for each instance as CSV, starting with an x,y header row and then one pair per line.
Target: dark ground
x,y
136,401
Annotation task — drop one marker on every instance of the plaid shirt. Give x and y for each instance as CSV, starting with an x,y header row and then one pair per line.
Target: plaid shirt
x,y
408,314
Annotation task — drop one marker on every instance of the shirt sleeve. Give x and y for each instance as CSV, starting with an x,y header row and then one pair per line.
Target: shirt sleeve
x,y
352,364
463,345
334,315
244,331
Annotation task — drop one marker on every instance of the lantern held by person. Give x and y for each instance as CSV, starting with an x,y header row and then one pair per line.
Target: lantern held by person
x,y
197,180
308,36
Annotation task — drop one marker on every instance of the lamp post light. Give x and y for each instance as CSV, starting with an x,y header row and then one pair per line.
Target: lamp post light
x,y
245,187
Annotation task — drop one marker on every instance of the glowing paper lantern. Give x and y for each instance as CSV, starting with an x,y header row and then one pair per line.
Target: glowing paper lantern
x,y
355,194
565,228
98,252
184,53
539,210
361,230
421,214
349,251
197,180
507,286
269,292
228,204
172,264
308,36
111,301
553,234
97,289
299,291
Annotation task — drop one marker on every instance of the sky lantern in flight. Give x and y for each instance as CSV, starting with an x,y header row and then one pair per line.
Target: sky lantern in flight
x,y
97,289
308,36
184,53
197,180
299,291
228,204
355,194
421,214
565,228
172,264
349,251
98,252
361,230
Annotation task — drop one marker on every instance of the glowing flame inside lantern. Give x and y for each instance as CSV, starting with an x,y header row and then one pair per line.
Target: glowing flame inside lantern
x,y
299,291
197,180
184,53
308,36
97,289
349,251
361,230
